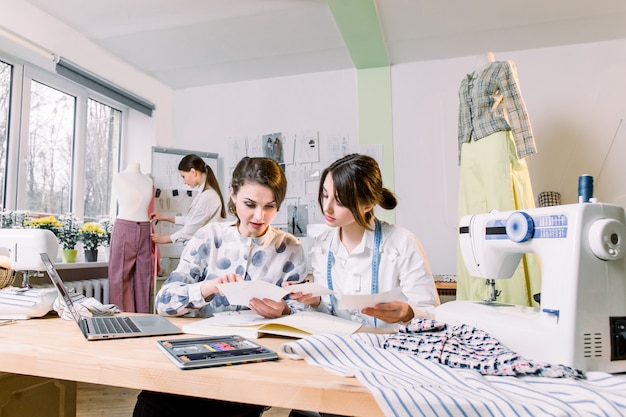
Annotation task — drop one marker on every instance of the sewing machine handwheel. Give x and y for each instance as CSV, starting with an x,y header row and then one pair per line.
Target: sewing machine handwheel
x,y
520,227
607,239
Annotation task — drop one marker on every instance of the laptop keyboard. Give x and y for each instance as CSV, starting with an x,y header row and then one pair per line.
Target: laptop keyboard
x,y
105,325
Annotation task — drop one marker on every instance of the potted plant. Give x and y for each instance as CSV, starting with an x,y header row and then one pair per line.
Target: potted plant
x,y
107,225
48,222
92,235
12,219
67,234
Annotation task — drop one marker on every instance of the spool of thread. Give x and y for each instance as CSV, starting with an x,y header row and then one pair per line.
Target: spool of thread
x,y
585,188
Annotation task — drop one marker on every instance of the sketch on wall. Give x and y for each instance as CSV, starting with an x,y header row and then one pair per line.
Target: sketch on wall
x,y
298,219
307,148
303,156
273,148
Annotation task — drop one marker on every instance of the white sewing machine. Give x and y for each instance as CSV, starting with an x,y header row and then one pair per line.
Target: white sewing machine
x,y
582,318
19,252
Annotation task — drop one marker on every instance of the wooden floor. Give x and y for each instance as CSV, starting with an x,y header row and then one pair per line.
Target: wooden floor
x,y
105,401
99,400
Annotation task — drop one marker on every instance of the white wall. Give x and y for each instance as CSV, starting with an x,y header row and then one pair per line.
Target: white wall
x,y
574,95
210,118
576,100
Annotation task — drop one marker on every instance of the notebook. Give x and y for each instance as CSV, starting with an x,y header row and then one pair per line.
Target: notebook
x,y
247,323
110,327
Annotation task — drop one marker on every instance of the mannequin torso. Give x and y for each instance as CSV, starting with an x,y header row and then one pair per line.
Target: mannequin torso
x,y
483,61
133,191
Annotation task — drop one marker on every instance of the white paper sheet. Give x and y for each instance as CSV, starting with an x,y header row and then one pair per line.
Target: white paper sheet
x,y
237,318
309,288
240,293
357,302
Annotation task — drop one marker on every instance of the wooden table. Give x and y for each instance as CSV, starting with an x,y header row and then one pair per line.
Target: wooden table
x,y
53,348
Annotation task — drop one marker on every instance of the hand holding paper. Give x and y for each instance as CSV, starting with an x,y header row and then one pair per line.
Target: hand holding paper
x,y
240,293
358,302
309,288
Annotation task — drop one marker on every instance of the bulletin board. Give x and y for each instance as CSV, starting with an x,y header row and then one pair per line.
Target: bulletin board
x,y
172,196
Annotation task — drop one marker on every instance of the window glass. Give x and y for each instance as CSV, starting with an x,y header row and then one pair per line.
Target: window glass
x,y
59,144
5,97
101,156
48,160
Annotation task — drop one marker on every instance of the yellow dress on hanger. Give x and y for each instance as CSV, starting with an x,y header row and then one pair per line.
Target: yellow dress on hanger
x,y
494,138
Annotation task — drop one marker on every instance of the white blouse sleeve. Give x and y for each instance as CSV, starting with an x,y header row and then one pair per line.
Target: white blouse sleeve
x,y
205,207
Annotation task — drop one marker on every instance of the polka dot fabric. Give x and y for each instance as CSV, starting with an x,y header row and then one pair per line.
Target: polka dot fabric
x,y
218,249
467,347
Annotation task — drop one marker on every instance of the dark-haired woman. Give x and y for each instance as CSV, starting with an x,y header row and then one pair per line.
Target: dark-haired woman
x,y
206,207
361,254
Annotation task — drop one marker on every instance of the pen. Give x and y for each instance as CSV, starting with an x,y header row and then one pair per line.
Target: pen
x,y
5,322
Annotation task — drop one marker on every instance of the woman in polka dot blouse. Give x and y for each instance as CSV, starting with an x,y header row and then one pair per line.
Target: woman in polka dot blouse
x,y
248,249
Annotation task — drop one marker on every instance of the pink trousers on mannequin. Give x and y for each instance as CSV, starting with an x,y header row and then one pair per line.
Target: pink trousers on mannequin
x,y
130,266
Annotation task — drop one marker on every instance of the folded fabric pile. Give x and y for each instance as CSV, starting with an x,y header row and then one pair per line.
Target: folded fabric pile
x,y
85,306
406,385
467,347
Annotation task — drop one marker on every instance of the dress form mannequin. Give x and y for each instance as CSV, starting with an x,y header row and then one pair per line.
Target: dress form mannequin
x,y
133,191
130,261
495,137
484,60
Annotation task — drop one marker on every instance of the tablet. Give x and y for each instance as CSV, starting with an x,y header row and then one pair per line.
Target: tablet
x,y
204,352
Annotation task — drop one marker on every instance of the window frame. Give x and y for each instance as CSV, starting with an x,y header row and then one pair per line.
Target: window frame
x,y
18,131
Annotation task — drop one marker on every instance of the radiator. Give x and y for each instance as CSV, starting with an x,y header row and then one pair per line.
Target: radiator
x,y
97,288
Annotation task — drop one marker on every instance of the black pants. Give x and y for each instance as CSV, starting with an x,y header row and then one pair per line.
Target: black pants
x,y
156,404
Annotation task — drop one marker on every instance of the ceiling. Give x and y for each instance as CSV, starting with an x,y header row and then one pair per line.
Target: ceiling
x,y
190,43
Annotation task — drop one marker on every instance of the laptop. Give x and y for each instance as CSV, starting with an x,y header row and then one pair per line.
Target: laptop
x,y
110,327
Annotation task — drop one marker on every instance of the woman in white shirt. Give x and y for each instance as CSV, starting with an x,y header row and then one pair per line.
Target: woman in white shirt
x,y
206,207
361,254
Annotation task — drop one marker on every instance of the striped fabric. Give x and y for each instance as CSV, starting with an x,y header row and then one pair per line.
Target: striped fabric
x,y
407,386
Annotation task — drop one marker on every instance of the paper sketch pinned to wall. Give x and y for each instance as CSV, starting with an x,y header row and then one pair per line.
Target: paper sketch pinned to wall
x,y
282,218
273,147
298,219
307,147
337,146
239,148
303,156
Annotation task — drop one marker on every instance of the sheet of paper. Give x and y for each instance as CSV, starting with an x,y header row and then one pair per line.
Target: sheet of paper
x,y
237,318
309,288
240,293
357,302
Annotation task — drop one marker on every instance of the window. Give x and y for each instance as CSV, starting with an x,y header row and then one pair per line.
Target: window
x,y
47,165
101,155
68,148
5,97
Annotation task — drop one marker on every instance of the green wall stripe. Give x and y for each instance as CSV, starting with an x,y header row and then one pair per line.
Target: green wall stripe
x,y
358,23
376,121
